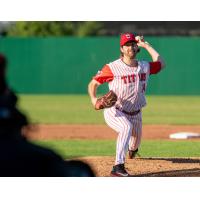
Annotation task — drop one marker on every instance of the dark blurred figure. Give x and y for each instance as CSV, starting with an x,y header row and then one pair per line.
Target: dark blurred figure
x,y
18,156
3,64
78,168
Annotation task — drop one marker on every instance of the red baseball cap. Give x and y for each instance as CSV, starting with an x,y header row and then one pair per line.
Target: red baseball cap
x,y
127,37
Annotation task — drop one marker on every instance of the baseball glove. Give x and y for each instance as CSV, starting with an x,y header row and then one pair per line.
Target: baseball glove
x,y
106,101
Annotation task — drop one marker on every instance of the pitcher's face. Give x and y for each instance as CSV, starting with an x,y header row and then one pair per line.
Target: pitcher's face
x,y
130,49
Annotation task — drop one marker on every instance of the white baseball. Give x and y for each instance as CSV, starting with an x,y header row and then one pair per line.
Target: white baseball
x,y
139,38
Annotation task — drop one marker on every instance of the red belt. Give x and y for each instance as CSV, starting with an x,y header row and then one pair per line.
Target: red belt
x,y
129,113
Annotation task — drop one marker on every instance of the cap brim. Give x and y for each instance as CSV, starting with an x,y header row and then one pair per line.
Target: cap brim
x,y
129,41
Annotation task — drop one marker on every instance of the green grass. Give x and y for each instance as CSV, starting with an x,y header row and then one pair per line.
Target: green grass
x,y
61,109
77,109
172,110
149,148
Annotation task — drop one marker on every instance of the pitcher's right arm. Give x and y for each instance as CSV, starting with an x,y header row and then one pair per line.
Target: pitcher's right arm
x,y
103,76
92,90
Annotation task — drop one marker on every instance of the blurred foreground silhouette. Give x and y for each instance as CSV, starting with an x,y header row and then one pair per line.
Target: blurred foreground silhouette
x,y
18,156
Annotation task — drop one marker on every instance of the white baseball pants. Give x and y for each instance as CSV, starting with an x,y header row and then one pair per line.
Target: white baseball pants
x,y
129,129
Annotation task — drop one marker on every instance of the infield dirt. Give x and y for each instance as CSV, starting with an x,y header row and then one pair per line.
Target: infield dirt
x,y
104,132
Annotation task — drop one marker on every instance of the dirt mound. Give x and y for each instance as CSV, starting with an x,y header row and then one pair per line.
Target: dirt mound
x,y
148,167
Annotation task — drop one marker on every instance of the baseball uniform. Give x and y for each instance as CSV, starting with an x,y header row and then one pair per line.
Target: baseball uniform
x,y
129,83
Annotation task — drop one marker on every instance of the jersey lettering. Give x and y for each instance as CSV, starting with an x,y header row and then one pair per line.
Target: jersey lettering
x,y
124,78
131,78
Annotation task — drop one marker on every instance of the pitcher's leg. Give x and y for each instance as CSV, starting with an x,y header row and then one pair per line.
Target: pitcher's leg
x,y
119,122
122,143
135,139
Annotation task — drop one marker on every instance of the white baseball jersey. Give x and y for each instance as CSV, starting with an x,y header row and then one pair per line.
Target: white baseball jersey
x,y
129,83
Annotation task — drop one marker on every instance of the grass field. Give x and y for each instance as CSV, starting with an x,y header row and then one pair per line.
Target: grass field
x,y
77,109
149,148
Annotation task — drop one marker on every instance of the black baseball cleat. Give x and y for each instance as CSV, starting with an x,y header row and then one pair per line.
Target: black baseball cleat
x,y
132,154
119,171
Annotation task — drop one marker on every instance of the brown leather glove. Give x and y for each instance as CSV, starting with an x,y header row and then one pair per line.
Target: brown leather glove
x,y
106,101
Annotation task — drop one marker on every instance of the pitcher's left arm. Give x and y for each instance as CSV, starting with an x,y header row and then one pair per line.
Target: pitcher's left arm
x,y
158,62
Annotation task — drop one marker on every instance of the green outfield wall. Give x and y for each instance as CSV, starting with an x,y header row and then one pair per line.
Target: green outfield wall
x,y
66,65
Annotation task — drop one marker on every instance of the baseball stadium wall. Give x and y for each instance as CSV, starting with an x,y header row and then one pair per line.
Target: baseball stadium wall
x,y
66,65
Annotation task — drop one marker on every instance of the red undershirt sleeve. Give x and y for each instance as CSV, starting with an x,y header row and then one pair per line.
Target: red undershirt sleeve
x,y
105,75
155,67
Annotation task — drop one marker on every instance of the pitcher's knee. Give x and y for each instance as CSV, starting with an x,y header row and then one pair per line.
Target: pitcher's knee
x,y
127,129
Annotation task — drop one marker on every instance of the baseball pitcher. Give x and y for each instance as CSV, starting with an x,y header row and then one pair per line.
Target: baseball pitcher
x,y
127,79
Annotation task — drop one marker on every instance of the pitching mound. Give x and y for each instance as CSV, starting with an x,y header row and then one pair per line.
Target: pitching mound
x,y
148,167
